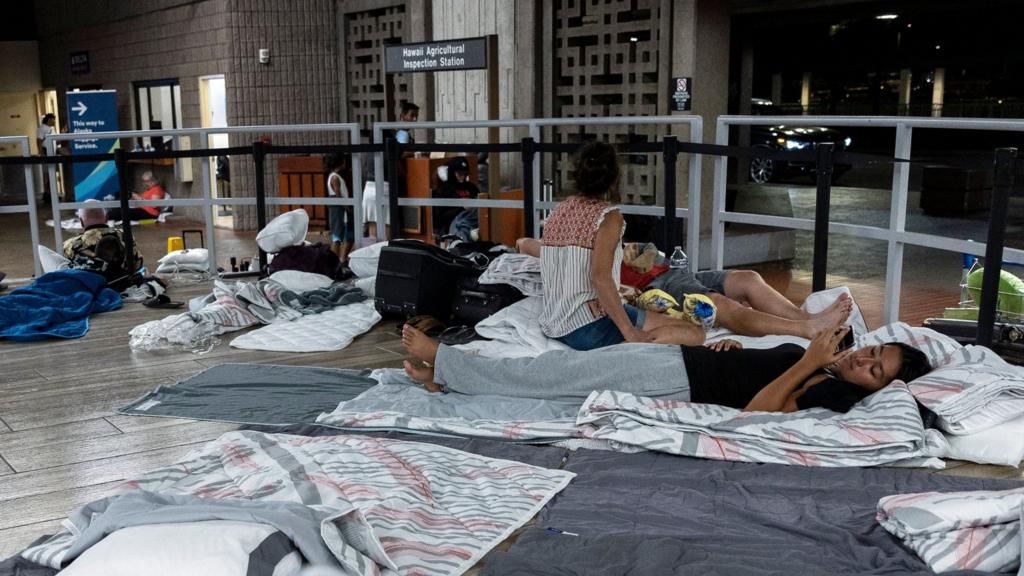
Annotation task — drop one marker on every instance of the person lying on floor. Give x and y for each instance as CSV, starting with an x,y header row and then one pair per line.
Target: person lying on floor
x,y
579,266
745,304
781,379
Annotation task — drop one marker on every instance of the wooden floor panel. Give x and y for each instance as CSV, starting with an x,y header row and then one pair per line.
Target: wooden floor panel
x,y
59,432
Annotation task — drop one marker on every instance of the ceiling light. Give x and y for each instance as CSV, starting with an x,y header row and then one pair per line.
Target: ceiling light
x,y
887,16
938,46
634,39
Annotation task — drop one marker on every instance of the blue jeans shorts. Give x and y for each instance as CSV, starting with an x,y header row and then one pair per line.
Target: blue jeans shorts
x,y
341,224
602,332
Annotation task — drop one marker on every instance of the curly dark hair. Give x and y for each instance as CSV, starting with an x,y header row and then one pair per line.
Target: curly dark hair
x,y
596,170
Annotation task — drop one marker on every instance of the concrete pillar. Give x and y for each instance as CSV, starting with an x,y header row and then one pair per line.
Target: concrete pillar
x,y
700,49
421,22
904,101
938,91
776,89
805,93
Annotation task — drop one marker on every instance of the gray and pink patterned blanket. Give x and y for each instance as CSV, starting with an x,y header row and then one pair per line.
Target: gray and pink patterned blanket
x,y
380,506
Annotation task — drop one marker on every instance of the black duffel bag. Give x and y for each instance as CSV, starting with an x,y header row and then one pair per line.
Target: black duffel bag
x,y
416,278
475,301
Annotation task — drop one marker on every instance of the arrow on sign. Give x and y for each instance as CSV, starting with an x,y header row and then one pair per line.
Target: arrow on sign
x,y
79,107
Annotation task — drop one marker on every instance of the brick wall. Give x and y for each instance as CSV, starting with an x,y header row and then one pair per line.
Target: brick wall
x,y
135,41
155,39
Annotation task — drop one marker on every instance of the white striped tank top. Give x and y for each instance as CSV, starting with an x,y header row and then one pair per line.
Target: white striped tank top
x,y
565,264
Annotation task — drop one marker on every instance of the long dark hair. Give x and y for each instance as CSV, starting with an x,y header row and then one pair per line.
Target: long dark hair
x,y
596,170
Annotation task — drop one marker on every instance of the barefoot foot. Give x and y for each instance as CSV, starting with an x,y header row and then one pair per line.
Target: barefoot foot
x,y
830,317
423,375
419,344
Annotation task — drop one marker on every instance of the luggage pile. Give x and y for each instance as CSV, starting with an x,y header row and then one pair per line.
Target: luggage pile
x,y
415,278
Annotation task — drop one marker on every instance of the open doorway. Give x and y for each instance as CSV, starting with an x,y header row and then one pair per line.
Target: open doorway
x,y
213,104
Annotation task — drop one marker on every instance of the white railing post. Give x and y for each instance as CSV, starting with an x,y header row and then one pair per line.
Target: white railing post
x,y
58,240
356,193
897,222
208,209
33,218
718,201
693,197
536,134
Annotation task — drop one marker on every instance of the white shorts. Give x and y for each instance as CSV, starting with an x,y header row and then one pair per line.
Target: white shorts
x,y
370,207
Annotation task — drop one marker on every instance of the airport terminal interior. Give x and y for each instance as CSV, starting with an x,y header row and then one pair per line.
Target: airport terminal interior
x,y
441,287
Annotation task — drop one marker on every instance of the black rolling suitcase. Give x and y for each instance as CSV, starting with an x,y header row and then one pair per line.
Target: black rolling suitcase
x,y
416,278
475,301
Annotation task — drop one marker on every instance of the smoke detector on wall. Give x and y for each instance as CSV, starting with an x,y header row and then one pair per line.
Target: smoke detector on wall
x,y
264,55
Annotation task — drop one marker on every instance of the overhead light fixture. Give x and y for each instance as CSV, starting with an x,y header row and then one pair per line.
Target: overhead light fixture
x,y
887,16
938,46
634,39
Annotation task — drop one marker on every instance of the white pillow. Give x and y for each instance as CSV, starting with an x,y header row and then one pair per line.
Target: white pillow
x,y
187,256
299,282
363,262
1002,444
288,229
818,301
367,285
213,548
50,260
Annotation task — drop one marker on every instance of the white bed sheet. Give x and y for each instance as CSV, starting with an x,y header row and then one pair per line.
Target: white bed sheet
x,y
324,332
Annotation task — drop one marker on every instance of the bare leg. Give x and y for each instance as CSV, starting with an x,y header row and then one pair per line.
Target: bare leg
x,y
419,345
667,330
748,286
343,251
422,374
371,230
749,322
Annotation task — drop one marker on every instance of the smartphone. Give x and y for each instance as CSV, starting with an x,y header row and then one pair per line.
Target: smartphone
x,y
847,341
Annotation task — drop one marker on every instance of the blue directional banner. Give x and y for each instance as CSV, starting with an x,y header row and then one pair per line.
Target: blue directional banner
x,y
93,111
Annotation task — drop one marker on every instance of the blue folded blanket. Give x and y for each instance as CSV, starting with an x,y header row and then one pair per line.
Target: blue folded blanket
x,y
56,305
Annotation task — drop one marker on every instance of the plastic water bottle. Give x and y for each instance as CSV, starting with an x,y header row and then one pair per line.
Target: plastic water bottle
x,y
678,260
968,264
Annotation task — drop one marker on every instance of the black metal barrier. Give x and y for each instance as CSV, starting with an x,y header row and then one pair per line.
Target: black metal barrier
x,y
1005,160
824,157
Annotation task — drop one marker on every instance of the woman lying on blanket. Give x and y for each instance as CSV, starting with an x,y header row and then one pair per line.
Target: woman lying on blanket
x,y
781,379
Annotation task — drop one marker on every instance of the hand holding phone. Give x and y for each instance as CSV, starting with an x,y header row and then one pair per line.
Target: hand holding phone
x,y
847,341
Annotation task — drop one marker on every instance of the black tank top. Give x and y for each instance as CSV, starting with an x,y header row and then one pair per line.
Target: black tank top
x,y
733,377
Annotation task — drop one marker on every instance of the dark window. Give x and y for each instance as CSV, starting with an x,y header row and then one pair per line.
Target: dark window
x,y
157,107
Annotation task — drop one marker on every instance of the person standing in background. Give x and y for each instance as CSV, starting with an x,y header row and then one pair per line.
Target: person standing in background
x,y
46,127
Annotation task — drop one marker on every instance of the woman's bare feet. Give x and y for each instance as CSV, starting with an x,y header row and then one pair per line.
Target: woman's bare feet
x,y
418,344
830,317
422,374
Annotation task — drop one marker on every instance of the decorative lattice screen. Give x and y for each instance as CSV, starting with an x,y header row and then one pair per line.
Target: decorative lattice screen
x,y
366,34
606,64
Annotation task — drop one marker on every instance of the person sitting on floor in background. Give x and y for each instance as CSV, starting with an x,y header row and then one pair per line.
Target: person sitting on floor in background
x,y
744,302
153,191
786,378
580,254
452,219
340,218
100,248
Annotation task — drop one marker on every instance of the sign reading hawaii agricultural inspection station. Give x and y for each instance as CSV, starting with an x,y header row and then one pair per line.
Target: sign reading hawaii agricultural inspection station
x,y
464,54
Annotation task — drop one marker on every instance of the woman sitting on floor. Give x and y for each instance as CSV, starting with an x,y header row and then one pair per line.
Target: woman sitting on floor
x,y
781,379
580,256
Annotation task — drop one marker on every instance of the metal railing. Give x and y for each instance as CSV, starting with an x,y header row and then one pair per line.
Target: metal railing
x,y
535,127
896,234
207,201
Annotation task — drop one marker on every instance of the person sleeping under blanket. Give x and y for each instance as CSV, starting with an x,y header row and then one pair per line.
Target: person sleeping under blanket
x,y
786,378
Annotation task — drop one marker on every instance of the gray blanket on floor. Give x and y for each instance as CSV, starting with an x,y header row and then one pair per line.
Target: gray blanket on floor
x,y
653,513
254,394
